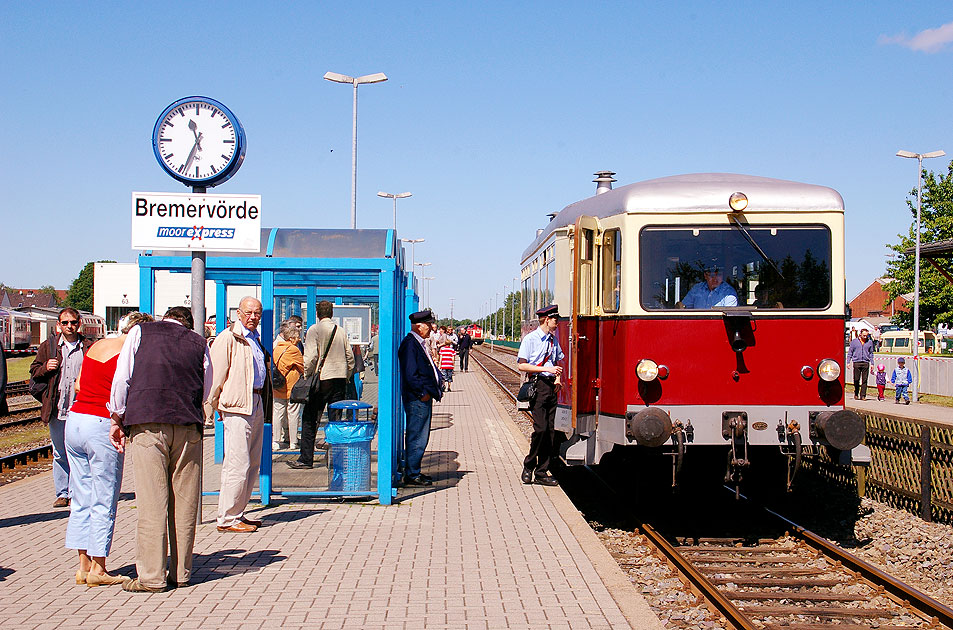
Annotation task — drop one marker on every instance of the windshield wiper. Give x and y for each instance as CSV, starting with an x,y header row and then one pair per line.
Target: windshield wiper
x,y
757,248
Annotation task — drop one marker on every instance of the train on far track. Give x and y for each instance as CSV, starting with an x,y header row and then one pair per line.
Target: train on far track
x,y
14,330
701,311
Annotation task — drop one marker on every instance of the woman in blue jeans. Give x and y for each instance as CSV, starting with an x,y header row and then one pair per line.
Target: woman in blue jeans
x,y
95,464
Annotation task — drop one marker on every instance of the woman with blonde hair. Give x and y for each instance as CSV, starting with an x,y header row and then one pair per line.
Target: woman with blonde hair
x,y
95,464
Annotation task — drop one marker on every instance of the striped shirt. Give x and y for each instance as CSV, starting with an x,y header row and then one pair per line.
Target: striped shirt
x,y
446,357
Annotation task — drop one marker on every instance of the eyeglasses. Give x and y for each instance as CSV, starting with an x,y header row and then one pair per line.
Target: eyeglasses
x,y
70,322
250,313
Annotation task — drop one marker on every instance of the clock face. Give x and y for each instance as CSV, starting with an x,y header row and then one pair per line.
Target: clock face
x,y
198,141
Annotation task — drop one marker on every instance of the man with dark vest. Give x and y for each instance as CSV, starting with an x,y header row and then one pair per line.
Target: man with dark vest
x,y
420,386
163,375
464,343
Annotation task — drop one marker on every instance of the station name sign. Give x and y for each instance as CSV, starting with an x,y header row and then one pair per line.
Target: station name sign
x,y
185,221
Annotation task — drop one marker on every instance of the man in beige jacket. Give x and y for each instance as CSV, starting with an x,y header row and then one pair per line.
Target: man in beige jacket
x,y
335,369
241,392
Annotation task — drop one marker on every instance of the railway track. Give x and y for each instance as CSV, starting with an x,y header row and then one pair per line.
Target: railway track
x,y
798,581
18,388
26,458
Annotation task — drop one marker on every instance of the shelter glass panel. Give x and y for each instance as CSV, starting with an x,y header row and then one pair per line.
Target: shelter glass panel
x,y
766,267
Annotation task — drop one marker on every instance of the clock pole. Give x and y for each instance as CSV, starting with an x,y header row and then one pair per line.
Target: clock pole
x,y
198,283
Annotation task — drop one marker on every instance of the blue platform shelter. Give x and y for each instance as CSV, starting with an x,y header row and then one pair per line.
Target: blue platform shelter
x,y
296,267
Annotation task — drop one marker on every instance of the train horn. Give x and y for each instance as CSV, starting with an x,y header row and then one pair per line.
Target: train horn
x,y
842,429
649,427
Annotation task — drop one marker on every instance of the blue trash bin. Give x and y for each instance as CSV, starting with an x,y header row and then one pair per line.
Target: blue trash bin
x,y
350,440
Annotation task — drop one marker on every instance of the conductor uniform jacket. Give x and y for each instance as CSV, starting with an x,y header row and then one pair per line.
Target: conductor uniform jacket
x,y
417,376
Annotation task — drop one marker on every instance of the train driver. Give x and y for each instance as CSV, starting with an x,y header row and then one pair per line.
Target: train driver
x,y
711,292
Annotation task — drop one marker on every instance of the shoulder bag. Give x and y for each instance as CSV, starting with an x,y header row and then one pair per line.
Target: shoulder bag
x,y
528,389
303,388
38,388
277,378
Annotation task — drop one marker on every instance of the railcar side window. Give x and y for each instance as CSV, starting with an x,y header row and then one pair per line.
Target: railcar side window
x,y
611,271
705,267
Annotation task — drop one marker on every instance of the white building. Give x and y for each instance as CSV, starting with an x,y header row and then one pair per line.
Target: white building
x,y
116,292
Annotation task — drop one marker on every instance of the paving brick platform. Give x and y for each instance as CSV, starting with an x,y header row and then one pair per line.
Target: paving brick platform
x,y
477,550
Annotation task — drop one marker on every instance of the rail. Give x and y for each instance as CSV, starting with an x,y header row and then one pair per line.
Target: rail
x,y
23,458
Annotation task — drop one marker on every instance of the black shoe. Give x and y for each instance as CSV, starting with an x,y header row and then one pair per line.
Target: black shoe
x,y
527,476
546,480
426,477
417,480
299,465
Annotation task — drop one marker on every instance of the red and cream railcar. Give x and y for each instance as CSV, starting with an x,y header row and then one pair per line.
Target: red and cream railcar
x,y
755,363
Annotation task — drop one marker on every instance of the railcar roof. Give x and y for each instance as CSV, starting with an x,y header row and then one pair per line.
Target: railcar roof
x,y
699,192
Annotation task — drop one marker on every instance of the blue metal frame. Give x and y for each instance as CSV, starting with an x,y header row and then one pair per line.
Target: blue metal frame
x,y
336,279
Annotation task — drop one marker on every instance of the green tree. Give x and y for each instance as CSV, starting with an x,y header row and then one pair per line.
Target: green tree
x,y
936,218
49,289
80,293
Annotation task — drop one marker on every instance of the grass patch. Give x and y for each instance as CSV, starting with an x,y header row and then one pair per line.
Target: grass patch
x,y
15,440
18,369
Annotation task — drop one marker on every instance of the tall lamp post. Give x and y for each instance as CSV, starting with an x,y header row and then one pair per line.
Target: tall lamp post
x,y
427,279
916,269
402,195
423,271
413,249
355,81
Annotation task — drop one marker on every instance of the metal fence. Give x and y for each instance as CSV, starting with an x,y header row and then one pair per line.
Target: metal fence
x,y
936,374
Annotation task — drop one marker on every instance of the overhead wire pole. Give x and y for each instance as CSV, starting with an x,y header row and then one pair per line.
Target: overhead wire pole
x,y
916,275
355,81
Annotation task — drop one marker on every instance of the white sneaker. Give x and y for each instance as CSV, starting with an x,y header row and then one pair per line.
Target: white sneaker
x,y
275,446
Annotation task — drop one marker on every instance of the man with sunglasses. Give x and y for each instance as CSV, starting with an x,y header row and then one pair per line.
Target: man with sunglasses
x,y
57,365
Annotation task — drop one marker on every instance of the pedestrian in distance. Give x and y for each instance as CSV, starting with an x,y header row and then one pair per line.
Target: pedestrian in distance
x,y
420,385
328,354
537,357
860,354
242,394
163,374
95,464
446,365
464,343
902,378
374,349
881,381
289,363
55,368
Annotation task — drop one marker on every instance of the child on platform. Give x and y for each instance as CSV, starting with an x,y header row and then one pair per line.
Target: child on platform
x,y
881,381
447,354
902,377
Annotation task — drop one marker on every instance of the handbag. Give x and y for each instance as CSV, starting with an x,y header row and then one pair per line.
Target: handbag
x,y
527,391
301,390
278,379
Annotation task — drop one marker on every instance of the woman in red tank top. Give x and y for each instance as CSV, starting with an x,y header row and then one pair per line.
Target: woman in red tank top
x,y
95,464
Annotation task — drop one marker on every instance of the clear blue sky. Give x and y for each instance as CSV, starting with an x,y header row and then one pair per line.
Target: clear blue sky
x,y
494,115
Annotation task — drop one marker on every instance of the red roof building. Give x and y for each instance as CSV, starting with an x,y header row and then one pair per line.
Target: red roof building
x,y
874,301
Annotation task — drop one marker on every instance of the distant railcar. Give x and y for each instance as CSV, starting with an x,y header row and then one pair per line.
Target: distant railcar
x,y
14,330
476,333
755,362
92,326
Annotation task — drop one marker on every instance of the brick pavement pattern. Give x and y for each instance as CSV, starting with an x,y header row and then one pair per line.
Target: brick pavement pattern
x,y
477,550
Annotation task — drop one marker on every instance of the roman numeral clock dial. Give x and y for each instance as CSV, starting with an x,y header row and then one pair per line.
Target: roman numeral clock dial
x,y
199,141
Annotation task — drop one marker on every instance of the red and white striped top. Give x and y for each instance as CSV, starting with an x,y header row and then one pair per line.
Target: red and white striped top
x,y
446,357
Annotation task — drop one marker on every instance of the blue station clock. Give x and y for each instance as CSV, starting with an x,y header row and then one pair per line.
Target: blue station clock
x,y
199,141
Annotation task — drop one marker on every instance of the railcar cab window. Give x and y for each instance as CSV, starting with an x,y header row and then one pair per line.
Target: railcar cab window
x,y
794,273
611,271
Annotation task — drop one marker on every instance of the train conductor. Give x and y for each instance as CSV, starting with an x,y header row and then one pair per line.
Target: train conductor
x,y
539,352
420,386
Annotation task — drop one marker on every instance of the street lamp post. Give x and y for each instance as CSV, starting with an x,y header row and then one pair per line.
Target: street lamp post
x,y
402,195
355,81
413,249
423,271
451,314
427,280
916,269
513,312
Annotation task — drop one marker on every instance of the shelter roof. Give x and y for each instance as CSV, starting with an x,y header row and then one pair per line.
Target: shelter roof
x,y
312,243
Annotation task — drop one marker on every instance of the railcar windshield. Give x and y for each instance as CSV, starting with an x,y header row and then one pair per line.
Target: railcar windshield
x,y
709,267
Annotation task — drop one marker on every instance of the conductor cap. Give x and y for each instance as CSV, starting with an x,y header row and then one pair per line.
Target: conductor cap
x,y
422,317
548,311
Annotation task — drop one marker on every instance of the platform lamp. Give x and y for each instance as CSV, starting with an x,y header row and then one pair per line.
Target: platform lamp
x,y
402,195
916,269
355,81
427,279
413,249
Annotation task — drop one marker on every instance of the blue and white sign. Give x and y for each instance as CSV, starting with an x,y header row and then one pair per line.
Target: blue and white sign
x,y
191,221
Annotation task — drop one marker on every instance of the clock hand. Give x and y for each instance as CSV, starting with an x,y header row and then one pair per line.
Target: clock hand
x,y
188,162
198,136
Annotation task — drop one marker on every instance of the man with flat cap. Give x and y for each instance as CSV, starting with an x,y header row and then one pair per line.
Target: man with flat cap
x,y
420,386
539,352
711,292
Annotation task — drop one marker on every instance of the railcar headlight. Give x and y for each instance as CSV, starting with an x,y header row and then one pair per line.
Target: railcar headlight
x,y
738,202
647,370
828,370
